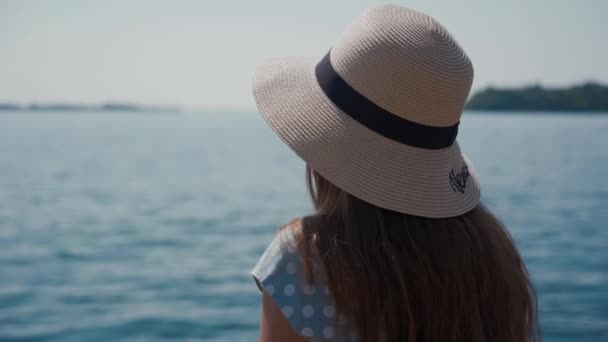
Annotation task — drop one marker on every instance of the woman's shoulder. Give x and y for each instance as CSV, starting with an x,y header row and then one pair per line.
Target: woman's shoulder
x,y
282,257
280,272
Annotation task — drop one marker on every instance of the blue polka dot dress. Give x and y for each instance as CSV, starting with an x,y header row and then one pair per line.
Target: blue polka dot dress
x,y
308,307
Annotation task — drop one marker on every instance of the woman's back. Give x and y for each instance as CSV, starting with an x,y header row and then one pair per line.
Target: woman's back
x,y
358,272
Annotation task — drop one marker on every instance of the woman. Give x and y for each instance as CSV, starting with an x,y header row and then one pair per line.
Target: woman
x,y
400,247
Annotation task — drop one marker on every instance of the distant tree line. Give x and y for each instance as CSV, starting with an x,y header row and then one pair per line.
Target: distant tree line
x,y
586,97
72,107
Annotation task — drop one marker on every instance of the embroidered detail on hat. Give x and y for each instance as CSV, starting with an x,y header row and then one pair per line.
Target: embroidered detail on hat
x,y
458,181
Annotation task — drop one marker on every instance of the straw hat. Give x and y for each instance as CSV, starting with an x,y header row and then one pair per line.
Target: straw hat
x,y
378,115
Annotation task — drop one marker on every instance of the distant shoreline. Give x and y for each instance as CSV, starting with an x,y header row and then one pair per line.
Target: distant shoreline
x,y
587,97
71,107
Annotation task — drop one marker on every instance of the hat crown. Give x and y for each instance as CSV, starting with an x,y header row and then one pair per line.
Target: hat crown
x,y
407,63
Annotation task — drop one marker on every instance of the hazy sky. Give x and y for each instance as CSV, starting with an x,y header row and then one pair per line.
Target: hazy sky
x,y
203,53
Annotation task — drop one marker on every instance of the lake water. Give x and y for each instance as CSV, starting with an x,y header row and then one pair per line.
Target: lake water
x,y
127,227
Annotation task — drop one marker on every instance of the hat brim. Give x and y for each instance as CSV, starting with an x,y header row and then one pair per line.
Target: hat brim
x,y
356,159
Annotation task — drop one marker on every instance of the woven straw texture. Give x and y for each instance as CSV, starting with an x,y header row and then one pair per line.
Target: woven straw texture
x,y
406,63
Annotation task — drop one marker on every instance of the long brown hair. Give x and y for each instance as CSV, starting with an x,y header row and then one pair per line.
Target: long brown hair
x,y
399,277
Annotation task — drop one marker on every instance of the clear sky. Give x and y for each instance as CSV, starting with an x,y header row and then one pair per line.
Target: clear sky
x,y
202,53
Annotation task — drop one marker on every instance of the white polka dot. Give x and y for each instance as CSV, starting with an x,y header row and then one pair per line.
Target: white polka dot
x,y
291,268
329,311
309,290
270,289
308,311
289,290
329,332
287,311
307,332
